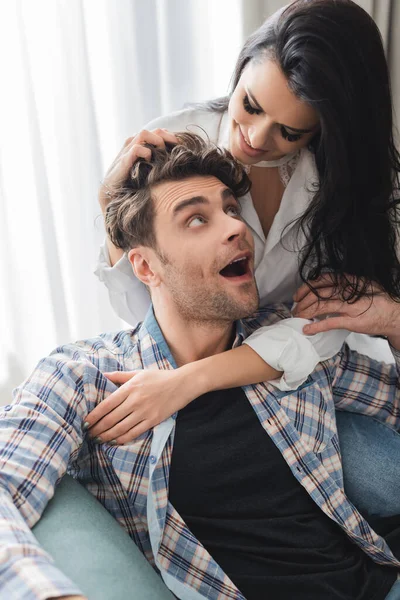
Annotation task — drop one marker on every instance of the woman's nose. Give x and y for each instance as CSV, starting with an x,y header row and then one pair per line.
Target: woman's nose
x,y
258,136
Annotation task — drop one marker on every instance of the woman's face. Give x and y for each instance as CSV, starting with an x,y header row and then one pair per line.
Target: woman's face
x,y
267,119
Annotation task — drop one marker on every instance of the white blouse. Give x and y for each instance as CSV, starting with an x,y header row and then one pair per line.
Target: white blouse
x,y
276,257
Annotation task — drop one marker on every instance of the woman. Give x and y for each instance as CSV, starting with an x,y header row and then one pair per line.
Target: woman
x,y
310,116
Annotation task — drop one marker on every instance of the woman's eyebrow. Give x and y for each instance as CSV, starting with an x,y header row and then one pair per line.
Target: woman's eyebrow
x,y
258,107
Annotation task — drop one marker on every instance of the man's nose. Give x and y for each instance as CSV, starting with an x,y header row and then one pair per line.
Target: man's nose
x,y
233,229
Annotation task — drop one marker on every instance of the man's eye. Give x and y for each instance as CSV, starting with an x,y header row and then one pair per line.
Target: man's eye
x,y
233,211
196,221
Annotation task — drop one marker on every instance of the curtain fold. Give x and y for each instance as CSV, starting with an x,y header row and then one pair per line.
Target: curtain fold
x,y
393,53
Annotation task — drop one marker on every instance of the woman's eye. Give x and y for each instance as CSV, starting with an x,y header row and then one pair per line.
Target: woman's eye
x,y
249,108
290,137
233,211
196,221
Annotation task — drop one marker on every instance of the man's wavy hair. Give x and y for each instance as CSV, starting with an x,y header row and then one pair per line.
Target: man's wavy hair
x,y
130,214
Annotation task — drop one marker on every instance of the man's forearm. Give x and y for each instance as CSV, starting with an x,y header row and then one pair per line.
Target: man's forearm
x,y
38,433
26,570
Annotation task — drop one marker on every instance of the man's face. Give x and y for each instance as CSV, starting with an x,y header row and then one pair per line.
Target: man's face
x,y
205,250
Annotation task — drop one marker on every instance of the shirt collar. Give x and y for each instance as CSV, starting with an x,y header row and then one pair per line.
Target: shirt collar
x,y
154,347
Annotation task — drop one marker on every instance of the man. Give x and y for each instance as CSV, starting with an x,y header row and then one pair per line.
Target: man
x,y
242,495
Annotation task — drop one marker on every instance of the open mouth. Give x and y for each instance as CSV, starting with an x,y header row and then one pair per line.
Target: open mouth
x,y
238,268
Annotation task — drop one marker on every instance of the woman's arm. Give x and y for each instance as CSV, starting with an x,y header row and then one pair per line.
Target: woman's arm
x,y
145,398
234,368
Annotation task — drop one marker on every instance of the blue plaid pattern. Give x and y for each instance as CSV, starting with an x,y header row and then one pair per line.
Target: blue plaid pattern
x,y
41,439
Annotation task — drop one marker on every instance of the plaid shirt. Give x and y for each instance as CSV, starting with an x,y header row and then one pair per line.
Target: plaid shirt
x,y
41,438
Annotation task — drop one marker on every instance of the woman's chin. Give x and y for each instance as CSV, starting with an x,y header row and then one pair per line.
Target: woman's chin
x,y
248,161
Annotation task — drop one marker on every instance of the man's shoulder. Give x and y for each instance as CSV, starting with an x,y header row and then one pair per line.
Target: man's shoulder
x,y
103,350
267,315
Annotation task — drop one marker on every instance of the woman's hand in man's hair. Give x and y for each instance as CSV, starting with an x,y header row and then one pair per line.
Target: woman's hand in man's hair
x,y
132,149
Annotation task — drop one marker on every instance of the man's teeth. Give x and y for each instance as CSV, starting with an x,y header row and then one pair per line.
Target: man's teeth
x,y
238,260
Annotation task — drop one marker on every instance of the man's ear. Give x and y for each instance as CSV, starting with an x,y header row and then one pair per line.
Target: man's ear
x,y
144,264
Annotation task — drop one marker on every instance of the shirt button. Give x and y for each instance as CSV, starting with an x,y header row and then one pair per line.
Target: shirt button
x,y
174,416
7,407
153,459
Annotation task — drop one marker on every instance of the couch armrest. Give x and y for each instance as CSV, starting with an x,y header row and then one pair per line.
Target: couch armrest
x,y
93,550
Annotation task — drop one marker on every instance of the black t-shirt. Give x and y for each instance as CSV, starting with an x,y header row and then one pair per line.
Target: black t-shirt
x,y
233,488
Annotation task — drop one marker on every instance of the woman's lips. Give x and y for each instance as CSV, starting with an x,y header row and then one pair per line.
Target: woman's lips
x,y
244,146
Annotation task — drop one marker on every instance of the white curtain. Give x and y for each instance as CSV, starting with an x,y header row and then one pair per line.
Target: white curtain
x,y
78,77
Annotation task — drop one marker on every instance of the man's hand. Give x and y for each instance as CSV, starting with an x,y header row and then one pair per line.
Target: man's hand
x,y
374,314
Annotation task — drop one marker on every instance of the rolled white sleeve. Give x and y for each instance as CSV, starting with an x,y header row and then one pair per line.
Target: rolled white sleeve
x,y
286,348
128,296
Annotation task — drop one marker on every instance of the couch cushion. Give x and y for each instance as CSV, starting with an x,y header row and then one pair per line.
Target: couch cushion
x,y
90,547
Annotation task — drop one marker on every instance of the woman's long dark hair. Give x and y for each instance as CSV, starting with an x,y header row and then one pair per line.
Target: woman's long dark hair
x,y
332,55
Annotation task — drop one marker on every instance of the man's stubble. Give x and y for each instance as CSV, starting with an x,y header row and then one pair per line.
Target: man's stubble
x,y
200,302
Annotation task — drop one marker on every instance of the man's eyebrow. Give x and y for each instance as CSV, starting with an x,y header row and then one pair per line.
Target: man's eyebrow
x,y
258,107
195,200
227,193
189,202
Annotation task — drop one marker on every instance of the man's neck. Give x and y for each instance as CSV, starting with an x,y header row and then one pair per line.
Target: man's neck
x,y
190,340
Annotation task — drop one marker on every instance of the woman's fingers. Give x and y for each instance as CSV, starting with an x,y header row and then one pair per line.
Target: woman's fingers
x,y
323,281
119,171
311,298
105,407
327,307
120,377
345,284
127,142
120,428
350,311
327,325
114,417
112,401
156,138
134,432
139,404
133,148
